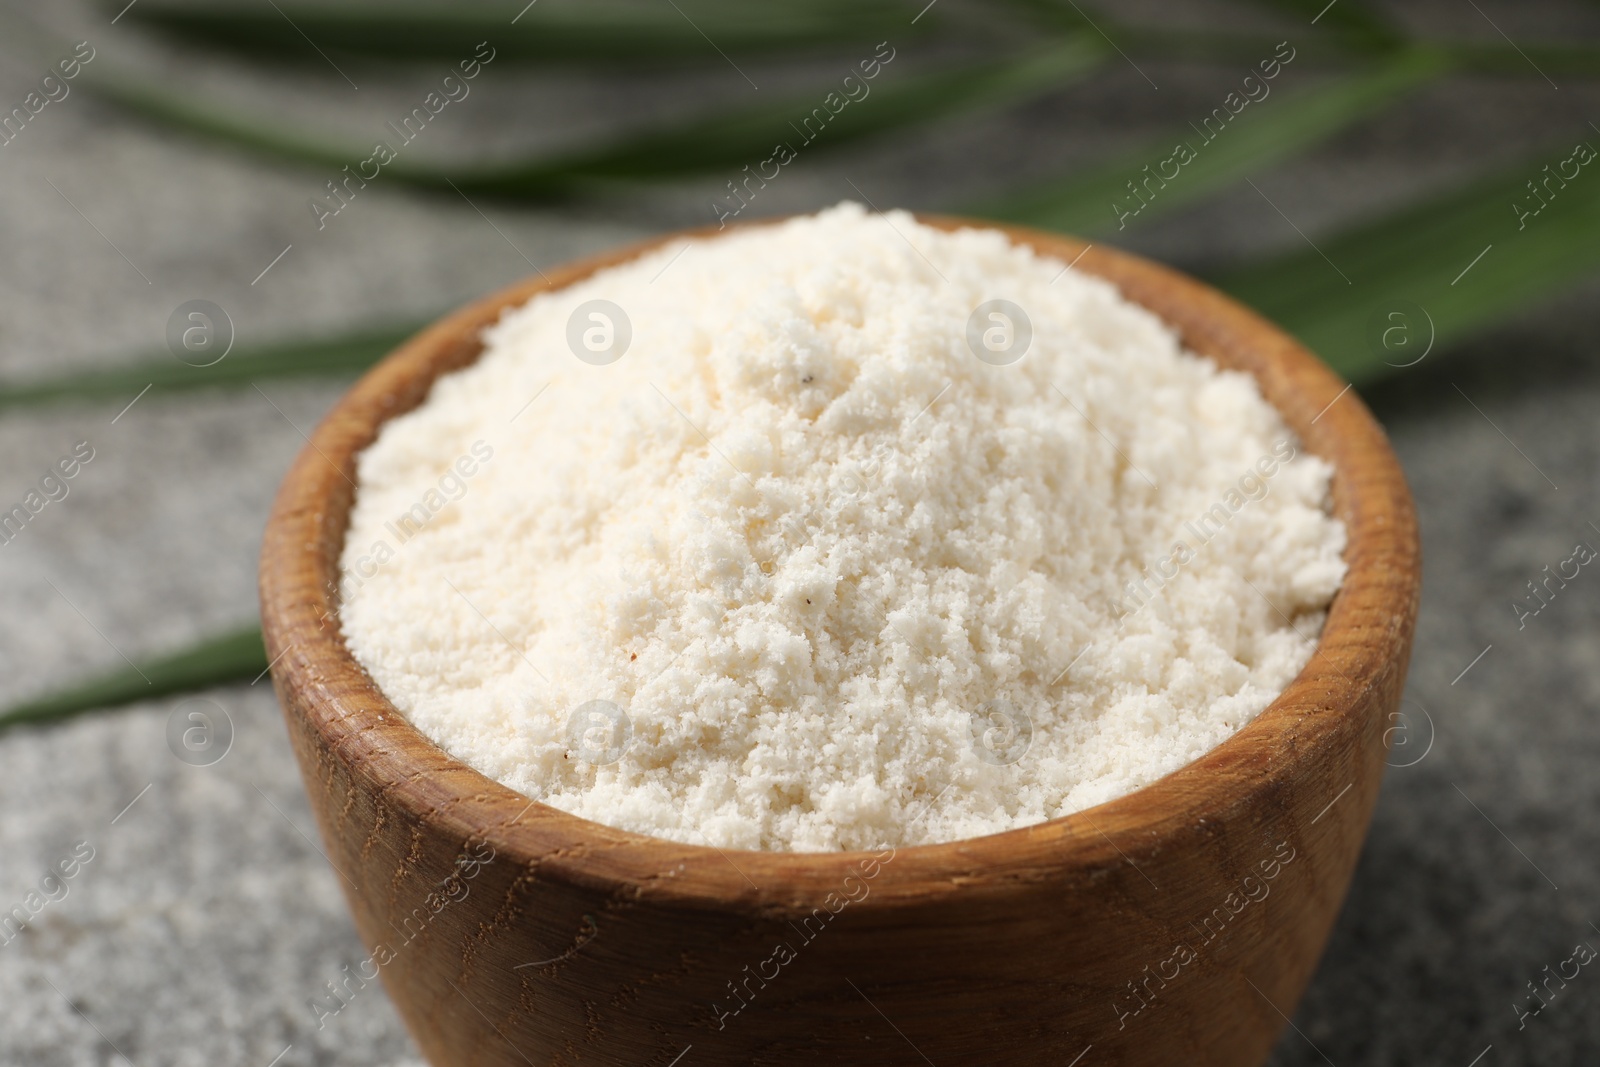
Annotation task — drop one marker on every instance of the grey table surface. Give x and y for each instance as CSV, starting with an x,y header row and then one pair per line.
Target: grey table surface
x,y
206,918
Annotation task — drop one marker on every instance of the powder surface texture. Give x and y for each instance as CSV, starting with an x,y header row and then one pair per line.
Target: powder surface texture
x,y
800,571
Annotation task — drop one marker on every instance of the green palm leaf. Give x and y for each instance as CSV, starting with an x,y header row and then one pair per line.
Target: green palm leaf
x,y
1445,266
1353,23
690,30
750,136
231,657
341,356
1263,134
727,139
1530,60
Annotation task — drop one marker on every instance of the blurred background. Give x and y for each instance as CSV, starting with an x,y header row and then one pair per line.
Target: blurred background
x,y
202,250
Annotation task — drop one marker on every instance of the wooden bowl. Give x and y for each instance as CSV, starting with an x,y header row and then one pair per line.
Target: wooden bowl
x,y
1177,924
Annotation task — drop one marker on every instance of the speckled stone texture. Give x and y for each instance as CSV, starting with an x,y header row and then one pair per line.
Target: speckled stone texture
x,y
207,918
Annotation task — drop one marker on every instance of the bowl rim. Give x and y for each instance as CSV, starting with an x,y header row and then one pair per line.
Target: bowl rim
x,y
1321,714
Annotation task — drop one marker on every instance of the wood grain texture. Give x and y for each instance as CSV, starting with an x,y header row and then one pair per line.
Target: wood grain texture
x,y
1147,927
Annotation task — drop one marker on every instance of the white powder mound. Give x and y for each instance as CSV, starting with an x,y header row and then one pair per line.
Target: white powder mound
x,y
836,582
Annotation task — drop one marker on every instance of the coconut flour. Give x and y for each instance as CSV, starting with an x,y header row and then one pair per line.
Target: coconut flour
x,y
835,534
